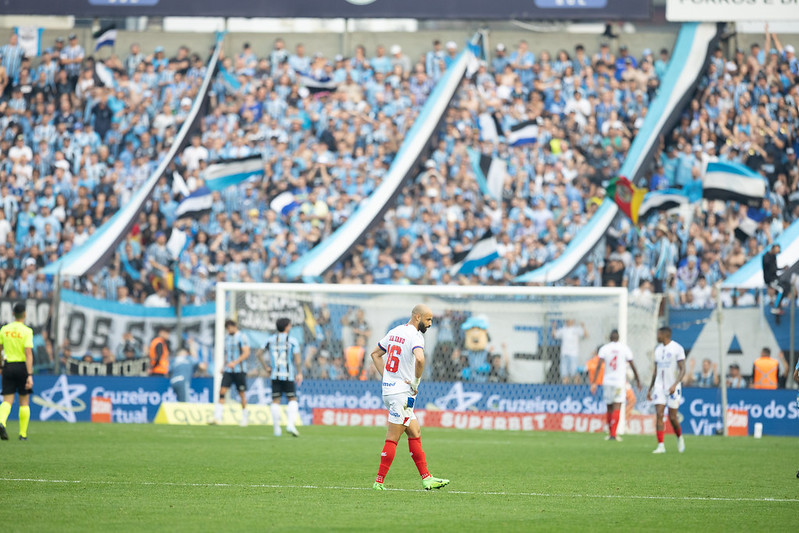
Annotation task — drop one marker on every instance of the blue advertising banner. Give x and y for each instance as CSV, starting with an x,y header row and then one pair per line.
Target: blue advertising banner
x,y
500,397
136,400
777,410
420,9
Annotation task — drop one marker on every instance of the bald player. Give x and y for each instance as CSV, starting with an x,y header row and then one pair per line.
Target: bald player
x,y
399,358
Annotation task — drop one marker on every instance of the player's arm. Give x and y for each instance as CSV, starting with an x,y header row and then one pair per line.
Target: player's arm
x,y
29,359
418,355
597,373
635,374
680,375
377,359
260,357
297,364
652,383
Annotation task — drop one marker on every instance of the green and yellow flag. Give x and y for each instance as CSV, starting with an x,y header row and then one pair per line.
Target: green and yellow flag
x,y
627,196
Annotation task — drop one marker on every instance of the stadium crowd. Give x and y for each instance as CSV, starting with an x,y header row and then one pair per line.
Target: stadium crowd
x,y
77,139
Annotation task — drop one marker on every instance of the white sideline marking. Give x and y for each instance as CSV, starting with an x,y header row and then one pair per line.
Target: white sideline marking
x,y
471,493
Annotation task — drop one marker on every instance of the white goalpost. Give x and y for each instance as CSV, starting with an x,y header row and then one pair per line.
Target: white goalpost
x,y
498,333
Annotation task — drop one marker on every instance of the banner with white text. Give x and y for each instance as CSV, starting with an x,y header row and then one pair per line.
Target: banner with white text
x,y
89,324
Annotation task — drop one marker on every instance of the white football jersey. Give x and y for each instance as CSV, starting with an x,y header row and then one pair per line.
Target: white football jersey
x,y
569,339
666,357
400,363
615,355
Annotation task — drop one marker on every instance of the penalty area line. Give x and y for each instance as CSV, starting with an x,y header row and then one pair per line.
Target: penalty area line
x,y
462,492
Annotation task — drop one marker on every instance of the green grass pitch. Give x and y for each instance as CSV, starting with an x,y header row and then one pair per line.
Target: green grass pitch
x,y
103,477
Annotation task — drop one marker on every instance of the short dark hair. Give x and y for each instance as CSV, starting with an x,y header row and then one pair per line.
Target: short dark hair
x,y
614,335
230,322
766,350
282,324
665,329
19,310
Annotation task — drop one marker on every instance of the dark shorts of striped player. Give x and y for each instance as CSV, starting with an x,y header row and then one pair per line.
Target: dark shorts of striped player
x,y
235,378
284,386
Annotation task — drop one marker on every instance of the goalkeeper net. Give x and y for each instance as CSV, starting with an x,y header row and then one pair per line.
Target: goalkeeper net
x,y
479,334
481,337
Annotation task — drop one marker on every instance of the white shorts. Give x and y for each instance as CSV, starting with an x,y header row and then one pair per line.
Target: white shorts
x,y
660,396
614,394
398,410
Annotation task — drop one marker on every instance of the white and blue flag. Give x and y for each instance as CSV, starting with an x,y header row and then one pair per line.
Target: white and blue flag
x,y
105,37
523,133
733,182
196,204
482,253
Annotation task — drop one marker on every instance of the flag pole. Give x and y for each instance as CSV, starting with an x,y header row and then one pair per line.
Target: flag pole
x,y
722,361
178,303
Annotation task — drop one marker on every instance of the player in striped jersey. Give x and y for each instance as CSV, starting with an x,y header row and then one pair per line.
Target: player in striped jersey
x,y
237,351
284,365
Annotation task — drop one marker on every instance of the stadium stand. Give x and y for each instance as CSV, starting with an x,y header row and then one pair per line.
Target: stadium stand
x,y
78,138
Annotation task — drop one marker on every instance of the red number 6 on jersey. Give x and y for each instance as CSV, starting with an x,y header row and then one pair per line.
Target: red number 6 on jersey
x,y
392,364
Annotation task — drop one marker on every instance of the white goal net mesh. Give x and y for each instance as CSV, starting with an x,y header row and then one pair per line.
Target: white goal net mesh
x,y
479,334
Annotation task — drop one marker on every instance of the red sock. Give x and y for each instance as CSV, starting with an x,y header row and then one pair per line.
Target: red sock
x,y
660,437
677,429
614,422
417,454
389,449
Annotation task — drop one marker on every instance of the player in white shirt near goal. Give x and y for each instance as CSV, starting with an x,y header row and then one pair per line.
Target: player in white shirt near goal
x,y
615,357
401,370
666,389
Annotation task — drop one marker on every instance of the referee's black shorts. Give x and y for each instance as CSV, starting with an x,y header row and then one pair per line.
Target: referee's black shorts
x,y
14,377
283,386
235,378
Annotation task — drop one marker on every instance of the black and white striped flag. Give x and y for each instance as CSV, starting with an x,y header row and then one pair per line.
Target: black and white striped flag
x,y
106,36
664,200
196,204
523,133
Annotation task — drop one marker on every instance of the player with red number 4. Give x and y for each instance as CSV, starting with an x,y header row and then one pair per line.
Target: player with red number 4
x,y
401,370
616,356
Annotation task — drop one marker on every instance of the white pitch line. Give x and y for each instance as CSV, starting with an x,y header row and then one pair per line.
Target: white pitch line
x,y
465,492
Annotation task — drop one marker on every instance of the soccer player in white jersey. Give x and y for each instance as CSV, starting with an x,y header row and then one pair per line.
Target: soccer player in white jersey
x,y
666,389
616,356
401,371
